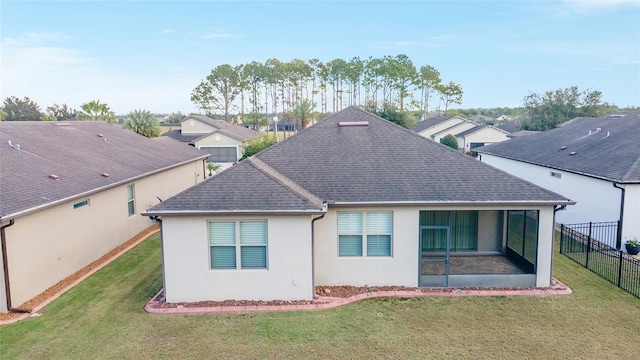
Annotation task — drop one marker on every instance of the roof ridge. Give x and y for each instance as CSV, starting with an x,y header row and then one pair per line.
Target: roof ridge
x,y
285,181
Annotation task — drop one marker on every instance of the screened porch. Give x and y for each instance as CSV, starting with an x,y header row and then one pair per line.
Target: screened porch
x,y
484,248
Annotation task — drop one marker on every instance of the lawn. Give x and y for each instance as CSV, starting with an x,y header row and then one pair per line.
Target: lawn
x,y
103,317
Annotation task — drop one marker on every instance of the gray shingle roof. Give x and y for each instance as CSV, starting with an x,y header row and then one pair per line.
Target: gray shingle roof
x,y
78,153
478,128
611,153
178,135
377,163
431,122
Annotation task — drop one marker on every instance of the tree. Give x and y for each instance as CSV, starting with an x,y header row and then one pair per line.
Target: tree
x,y
389,111
304,111
96,111
175,118
61,112
3,115
450,141
23,109
450,93
546,111
213,167
256,145
218,91
428,79
142,122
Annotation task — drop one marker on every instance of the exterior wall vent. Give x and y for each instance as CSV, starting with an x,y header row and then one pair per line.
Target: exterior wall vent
x,y
556,174
353,123
54,177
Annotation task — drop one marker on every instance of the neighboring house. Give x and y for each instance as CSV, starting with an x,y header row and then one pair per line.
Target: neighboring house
x,y
354,200
72,192
594,161
438,127
480,136
468,133
221,139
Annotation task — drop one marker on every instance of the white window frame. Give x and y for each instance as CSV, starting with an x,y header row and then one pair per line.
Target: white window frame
x,y
131,202
239,246
364,233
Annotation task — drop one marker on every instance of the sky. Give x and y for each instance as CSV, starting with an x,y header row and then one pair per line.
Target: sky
x,y
151,54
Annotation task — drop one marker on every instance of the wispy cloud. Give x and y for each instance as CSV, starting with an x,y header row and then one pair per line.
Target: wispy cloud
x,y
168,31
430,42
217,34
571,9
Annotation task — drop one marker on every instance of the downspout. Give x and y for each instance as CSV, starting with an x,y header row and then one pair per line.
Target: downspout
x,y
619,232
313,265
5,266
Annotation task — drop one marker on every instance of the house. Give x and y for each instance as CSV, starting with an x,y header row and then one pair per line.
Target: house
x,y
480,135
440,126
221,139
362,202
70,192
594,161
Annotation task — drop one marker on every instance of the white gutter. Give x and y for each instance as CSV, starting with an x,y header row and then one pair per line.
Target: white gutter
x,y
457,203
232,212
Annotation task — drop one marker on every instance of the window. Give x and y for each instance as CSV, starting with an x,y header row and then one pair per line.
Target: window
x,y
81,204
222,154
131,200
238,242
370,231
556,174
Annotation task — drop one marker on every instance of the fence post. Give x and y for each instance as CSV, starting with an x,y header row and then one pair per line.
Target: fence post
x,y
619,235
586,262
561,237
619,267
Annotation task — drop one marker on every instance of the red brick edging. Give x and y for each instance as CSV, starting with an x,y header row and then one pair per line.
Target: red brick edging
x,y
331,302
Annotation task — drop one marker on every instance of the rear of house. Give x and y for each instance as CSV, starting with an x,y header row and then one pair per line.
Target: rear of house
x,y
367,212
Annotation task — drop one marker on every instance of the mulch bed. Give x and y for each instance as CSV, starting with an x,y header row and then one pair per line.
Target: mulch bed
x,y
40,298
321,291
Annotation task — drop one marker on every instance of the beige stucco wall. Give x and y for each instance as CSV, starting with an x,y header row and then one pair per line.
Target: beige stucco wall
x,y
490,231
193,126
217,139
486,135
48,245
188,276
631,220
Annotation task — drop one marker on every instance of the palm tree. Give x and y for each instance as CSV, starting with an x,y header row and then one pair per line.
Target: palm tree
x,y
304,110
142,122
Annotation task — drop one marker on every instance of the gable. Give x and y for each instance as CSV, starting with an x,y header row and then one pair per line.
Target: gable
x,y
216,138
192,125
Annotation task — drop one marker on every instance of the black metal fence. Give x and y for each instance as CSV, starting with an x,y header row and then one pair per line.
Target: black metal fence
x,y
581,243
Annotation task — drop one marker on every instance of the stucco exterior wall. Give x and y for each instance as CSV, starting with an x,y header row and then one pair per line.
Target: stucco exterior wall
x,y
631,220
217,139
188,275
596,200
45,247
193,126
486,135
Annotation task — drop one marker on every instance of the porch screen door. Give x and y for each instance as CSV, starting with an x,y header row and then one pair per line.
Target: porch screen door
x,y
435,250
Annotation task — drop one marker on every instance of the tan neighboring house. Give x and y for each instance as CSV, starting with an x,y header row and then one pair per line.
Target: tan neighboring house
x,y
480,136
221,139
72,192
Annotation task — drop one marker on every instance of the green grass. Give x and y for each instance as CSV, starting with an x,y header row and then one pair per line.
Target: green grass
x,y
103,317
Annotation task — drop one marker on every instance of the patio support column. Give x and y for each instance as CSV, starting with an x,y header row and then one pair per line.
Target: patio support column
x,y
545,247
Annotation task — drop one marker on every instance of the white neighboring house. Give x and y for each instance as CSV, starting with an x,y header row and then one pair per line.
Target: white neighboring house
x,y
594,161
468,133
221,139
70,192
353,208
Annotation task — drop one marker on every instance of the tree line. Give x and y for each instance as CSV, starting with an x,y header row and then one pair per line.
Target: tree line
x,y
255,90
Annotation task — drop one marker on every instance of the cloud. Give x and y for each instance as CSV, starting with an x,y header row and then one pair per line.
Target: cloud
x,y
571,9
168,31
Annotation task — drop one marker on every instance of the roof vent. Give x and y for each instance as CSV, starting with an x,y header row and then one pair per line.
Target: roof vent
x,y
54,177
353,123
61,124
617,116
100,135
572,153
563,147
106,175
14,146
